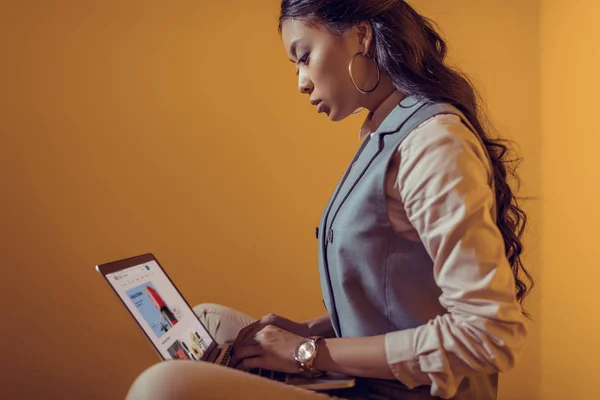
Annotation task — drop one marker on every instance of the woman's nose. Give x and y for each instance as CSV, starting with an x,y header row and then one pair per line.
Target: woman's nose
x,y
305,86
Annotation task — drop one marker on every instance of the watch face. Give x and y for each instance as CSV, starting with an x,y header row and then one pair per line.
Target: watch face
x,y
306,351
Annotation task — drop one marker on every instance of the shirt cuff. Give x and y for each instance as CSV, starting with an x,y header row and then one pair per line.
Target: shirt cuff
x,y
402,359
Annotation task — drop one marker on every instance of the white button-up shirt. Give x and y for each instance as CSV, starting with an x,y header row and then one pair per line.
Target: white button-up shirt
x,y
438,192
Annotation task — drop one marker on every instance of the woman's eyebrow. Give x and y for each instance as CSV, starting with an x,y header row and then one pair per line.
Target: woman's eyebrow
x,y
293,49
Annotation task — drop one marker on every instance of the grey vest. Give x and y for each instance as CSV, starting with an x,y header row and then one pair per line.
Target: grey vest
x,y
373,280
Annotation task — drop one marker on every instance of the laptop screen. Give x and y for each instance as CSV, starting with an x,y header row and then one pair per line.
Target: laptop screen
x,y
161,311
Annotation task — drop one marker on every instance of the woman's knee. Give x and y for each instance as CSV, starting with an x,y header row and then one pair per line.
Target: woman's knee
x,y
218,309
222,322
187,380
206,308
165,380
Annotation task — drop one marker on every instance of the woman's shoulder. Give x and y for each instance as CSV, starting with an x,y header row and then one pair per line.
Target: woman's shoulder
x,y
442,142
445,129
446,124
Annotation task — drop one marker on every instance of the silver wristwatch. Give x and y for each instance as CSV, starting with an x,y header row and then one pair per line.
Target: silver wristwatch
x,y
305,354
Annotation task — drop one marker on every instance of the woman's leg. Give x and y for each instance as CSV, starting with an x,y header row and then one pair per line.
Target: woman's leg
x,y
186,380
223,323
195,380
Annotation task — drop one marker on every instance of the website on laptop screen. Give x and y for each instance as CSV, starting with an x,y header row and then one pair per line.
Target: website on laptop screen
x,y
161,311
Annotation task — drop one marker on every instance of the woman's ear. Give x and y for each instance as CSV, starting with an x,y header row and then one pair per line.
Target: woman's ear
x,y
364,32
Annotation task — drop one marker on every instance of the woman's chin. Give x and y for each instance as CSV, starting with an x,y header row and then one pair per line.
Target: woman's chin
x,y
335,117
332,115
335,114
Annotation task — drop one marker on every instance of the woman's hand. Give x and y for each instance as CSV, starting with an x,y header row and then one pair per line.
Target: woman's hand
x,y
300,329
270,348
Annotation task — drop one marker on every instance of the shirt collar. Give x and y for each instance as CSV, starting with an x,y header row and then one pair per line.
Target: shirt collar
x,y
376,117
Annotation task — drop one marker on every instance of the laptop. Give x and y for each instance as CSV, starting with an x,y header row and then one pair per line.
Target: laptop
x,y
176,333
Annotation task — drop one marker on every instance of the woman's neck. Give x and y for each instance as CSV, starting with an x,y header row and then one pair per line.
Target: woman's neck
x,y
384,90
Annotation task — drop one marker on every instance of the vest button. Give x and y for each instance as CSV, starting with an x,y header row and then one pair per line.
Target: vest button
x,y
330,236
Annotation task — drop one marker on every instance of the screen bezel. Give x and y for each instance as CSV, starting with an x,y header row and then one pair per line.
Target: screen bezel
x,y
119,265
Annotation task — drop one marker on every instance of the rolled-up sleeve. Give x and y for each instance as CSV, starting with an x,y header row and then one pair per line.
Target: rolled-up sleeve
x,y
444,183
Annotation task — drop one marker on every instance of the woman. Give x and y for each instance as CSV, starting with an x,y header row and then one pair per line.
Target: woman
x,y
419,247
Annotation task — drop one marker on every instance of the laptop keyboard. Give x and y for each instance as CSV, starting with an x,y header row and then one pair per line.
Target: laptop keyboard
x,y
275,375
278,376
226,356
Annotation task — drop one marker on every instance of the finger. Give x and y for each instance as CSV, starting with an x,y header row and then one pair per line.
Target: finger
x,y
250,340
246,352
253,328
244,333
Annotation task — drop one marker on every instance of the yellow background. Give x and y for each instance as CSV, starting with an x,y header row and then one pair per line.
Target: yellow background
x,y
570,254
177,128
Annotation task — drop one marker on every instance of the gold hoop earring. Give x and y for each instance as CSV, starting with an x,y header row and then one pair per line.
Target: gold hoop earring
x,y
358,111
352,77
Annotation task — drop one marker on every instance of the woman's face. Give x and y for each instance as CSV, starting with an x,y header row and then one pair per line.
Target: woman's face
x,y
322,60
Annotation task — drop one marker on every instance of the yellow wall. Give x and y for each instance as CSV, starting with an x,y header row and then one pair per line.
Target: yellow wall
x,y
129,127
570,254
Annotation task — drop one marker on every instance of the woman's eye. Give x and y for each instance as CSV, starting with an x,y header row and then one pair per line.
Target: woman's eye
x,y
303,58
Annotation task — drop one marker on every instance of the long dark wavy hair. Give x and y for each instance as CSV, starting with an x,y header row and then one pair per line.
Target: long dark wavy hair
x,y
408,47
